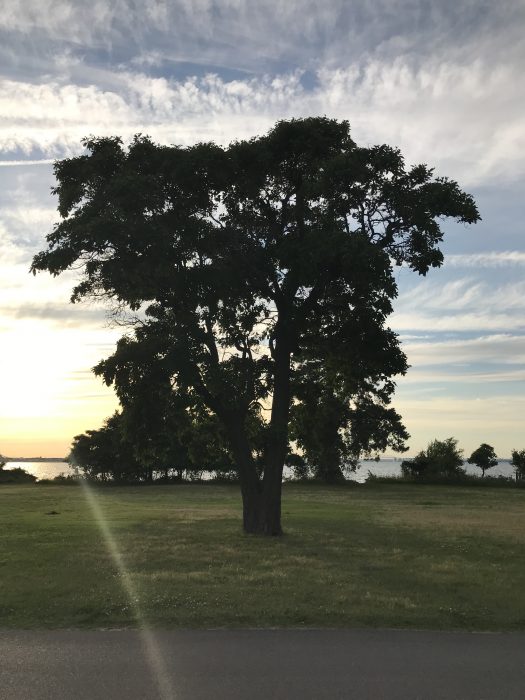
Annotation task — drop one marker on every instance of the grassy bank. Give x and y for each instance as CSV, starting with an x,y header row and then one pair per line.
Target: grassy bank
x,y
383,555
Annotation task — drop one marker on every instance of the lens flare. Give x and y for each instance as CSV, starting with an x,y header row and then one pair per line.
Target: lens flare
x,y
152,650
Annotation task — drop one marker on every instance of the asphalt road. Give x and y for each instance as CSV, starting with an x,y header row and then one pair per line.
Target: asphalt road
x,y
256,664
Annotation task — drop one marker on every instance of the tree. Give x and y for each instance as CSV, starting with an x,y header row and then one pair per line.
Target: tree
x,y
341,408
242,257
442,458
518,462
141,443
105,454
484,458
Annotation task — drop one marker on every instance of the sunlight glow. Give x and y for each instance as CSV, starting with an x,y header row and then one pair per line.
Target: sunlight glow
x,y
152,650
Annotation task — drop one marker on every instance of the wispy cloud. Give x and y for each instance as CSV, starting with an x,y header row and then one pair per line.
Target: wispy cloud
x,y
461,305
63,314
297,32
428,110
14,163
500,349
501,258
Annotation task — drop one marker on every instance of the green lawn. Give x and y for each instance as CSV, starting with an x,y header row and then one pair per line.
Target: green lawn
x,y
432,557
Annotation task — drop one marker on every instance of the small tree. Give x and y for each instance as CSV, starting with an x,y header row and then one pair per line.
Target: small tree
x,y
518,462
484,458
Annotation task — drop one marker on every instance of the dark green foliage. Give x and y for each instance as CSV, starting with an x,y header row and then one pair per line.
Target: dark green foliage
x,y
132,446
484,458
298,465
458,480
518,462
442,458
61,480
105,455
243,258
15,476
341,409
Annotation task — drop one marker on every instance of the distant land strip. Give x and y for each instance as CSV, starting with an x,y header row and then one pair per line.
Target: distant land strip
x,y
33,459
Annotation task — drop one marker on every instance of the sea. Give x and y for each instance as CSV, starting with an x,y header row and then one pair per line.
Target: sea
x,y
385,467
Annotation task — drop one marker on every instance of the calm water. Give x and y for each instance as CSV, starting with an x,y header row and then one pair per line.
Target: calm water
x,y
42,470
386,467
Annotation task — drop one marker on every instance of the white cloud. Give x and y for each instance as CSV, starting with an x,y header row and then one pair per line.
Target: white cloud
x,y
12,163
441,376
300,32
458,322
501,258
429,111
461,305
498,349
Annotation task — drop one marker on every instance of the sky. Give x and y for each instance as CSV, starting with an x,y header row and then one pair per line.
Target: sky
x,y
443,81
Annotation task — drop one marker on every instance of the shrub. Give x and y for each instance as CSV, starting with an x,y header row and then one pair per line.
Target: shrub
x,y
15,476
61,480
442,458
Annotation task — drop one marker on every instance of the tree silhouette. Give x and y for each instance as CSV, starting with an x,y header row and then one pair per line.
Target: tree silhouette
x,y
442,458
243,257
518,462
483,457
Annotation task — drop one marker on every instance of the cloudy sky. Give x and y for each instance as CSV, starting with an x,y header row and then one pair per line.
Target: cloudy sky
x,y
443,81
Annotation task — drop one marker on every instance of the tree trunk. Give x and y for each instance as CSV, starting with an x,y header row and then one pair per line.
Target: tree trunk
x,y
277,445
262,500
251,487
329,470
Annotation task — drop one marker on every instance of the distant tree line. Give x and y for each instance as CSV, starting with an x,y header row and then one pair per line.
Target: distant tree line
x,y
181,445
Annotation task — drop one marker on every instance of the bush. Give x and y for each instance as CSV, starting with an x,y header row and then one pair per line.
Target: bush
x,y
443,480
61,480
442,458
15,476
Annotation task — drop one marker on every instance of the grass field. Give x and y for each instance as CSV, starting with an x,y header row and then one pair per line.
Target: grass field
x,y
433,557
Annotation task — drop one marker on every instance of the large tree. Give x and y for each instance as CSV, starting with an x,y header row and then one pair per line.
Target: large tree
x,y
244,256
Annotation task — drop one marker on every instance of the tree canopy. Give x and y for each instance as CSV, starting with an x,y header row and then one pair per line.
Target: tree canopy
x,y
138,445
518,462
483,457
442,458
249,262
